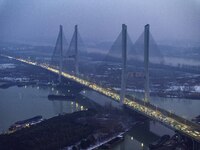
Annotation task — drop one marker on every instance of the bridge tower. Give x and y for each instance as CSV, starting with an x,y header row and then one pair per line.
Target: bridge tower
x,y
61,54
124,58
76,51
146,62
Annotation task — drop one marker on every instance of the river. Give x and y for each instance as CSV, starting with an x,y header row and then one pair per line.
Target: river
x,y
18,103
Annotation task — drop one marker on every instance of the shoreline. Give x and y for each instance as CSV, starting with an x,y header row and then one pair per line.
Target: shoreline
x,y
7,84
98,144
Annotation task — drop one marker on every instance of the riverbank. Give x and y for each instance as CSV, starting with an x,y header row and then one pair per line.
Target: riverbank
x,y
66,130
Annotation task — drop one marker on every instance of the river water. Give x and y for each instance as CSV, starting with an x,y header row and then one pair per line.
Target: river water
x,y
19,103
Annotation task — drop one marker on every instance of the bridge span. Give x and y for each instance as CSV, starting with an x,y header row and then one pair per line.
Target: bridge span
x,y
174,122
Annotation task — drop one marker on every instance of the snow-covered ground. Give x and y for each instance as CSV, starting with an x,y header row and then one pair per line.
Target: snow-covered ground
x,y
197,88
175,88
15,79
7,66
184,88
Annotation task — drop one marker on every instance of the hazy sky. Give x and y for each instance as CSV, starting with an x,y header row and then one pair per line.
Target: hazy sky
x,y
99,20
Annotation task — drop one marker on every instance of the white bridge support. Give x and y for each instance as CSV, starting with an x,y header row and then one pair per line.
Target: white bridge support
x,y
61,55
146,62
124,58
76,51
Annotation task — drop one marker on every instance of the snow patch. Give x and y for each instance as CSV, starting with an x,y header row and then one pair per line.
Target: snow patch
x,y
7,66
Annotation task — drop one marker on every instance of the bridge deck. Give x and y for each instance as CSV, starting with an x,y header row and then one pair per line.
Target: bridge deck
x,y
175,122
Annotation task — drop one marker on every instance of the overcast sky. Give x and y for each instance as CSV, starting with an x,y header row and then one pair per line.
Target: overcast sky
x,y
99,20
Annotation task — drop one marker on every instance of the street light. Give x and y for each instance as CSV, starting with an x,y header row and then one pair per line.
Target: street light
x,y
142,145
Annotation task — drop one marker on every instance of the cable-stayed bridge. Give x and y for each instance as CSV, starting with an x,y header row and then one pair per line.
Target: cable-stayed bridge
x,y
68,61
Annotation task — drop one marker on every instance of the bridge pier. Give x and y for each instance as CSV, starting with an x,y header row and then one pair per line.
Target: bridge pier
x,y
146,62
124,58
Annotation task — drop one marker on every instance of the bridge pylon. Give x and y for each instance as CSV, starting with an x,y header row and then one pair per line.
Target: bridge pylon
x,y
124,61
61,54
76,51
146,62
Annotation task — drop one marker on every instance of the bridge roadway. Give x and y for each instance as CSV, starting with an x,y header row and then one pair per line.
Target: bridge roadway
x,y
189,129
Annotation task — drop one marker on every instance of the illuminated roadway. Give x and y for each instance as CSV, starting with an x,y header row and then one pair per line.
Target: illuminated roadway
x,y
188,130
